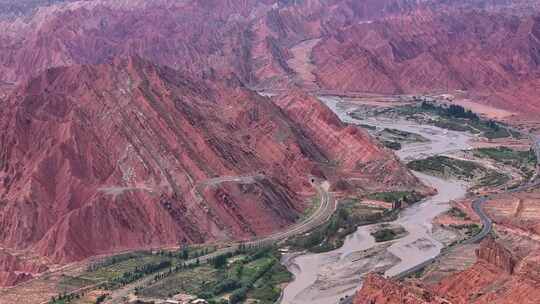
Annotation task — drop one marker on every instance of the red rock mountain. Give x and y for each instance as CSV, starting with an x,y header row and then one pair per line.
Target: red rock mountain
x,y
109,157
435,51
488,48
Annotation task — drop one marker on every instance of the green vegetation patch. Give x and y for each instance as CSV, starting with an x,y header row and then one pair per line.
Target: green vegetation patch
x,y
455,117
268,288
120,269
388,234
409,197
470,229
460,169
452,117
458,213
331,235
113,260
255,274
394,145
138,273
402,136
68,283
249,272
191,281
446,166
493,179
393,138
368,127
525,161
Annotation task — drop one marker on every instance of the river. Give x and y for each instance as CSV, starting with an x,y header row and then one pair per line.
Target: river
x,y
326,277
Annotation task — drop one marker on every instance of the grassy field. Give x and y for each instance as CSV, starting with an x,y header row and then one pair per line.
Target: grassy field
x,y
525,161
454,168
68,283
118,269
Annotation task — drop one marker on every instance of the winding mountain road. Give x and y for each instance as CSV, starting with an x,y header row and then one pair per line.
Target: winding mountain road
x,y
487,225
243,179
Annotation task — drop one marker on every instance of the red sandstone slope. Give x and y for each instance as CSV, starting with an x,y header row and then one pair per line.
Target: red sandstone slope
x,y
203,38
497,277
507,268
117,152
350,162
110,157
489,48
379,290
427,51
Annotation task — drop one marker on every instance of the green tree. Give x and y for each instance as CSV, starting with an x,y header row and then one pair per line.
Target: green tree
x,y
220,261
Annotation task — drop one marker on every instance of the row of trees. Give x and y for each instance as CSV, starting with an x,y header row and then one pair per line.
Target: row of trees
x,y
115,260
237,282
139,272
240,294
69,297
455,111
64,298
219,262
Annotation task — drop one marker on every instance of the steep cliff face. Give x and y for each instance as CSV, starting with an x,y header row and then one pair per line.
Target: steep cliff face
x,y
14,270
379,290
493,279
495,254
497,277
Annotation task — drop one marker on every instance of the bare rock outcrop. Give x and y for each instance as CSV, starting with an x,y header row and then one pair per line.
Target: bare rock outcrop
x,y
379,290
14,270
496,254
